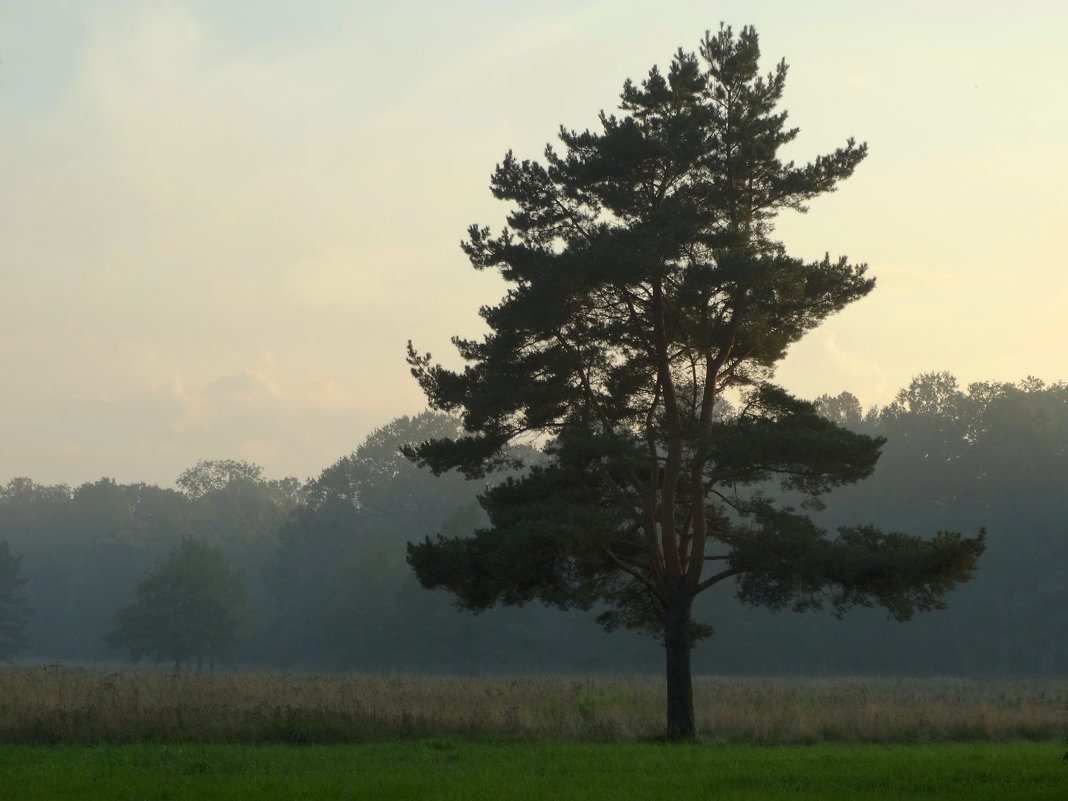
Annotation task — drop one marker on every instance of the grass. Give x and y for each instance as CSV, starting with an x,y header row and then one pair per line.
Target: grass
x,y
447,770
51,705
131,736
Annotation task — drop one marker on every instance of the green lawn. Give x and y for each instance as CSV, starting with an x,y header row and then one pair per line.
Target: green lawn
x,y
534,770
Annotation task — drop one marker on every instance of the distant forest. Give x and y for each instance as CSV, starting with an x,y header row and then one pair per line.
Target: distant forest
x,y
327,585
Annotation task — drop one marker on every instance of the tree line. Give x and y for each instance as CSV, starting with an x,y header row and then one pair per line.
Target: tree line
x,y
314,575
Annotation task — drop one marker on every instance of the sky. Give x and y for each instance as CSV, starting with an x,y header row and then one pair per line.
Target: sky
x,y
222,220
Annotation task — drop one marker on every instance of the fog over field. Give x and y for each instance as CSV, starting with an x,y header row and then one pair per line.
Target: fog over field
x,y
324,584
221,221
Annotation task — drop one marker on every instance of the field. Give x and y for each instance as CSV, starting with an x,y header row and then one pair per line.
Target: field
x,y
445,769
74,706
74,734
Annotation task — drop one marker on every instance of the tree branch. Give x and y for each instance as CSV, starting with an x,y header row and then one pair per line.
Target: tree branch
x,y
718,577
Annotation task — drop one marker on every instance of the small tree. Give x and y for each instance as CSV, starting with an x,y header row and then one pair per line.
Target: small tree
x,y
188,608
13,610
644,285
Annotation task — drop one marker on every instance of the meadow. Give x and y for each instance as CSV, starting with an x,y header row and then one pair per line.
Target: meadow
x,y
71,706
525,771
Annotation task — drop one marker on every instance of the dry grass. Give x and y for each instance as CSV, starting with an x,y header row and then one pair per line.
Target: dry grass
x,y
64,705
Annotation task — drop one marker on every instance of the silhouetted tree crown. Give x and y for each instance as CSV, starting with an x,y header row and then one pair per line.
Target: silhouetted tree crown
x,y
644,284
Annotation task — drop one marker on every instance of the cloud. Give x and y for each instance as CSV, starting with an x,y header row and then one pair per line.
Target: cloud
x,y
869,379
152,435
827,361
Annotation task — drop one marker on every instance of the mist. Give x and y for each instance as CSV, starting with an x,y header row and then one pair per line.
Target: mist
x,y
326,585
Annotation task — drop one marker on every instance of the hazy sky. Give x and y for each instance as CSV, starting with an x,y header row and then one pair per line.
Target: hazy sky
x,y
221,220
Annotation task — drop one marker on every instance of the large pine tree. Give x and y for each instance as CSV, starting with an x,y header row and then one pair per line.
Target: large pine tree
x,y
645,284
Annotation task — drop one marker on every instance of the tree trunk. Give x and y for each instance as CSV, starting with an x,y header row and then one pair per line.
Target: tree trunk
x,y
677,646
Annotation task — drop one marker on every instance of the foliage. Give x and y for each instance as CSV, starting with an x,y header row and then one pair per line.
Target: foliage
x,y
188,608
644,284
991,453
342,593
377,480
13,609
214,475
86,548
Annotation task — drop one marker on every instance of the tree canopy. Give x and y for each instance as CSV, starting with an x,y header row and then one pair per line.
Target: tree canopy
x,y
188,608
342,591
644,289
990,453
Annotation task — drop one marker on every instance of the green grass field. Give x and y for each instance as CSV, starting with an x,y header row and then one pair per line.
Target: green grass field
x,y
155,736
446,769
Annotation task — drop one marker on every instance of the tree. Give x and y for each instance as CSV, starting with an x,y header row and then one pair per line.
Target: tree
x,y
13,610
843,409
86,549
188,608
212,475
644,285
377,480
234,506
339,576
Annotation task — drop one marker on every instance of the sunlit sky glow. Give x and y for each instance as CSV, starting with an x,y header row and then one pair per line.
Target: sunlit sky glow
x,y
221,220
